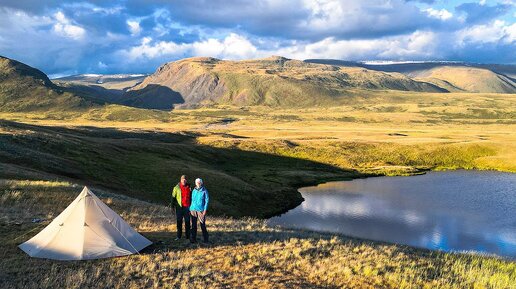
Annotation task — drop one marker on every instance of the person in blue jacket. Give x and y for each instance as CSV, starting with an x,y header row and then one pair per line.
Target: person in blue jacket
x,y
198,208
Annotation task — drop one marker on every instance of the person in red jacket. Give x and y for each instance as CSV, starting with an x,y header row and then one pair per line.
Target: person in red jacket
x,y
181,200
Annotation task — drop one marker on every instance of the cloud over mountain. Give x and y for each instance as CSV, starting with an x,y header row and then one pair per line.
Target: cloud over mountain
x,y
63,37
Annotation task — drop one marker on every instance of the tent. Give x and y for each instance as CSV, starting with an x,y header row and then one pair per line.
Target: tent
x,y
86,229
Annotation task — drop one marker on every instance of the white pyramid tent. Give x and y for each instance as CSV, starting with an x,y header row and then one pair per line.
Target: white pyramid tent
x,y
86,229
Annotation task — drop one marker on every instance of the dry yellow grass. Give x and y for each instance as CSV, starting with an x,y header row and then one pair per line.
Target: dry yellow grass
x,y
468,79
245,253
395,134
403,120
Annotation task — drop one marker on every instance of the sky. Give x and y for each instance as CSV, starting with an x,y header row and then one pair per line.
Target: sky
x,y
63,37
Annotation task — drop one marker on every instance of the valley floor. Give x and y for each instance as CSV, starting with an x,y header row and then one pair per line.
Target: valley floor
x,y
245,253
253,160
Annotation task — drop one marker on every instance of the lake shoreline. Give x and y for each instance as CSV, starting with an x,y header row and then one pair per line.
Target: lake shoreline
x,y
381,191
298,200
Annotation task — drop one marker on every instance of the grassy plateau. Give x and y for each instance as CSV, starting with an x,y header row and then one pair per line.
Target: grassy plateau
x,y
252,159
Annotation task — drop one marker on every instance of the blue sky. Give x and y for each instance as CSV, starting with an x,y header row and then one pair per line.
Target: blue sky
x,y
136,36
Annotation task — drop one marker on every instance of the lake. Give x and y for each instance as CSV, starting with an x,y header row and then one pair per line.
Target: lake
x,y
451,211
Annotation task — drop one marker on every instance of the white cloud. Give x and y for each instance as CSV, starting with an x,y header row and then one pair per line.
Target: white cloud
x,y
233,46
328,14
109,11
11,19
417,45
148,50
102,65
495,31
510,33
362,18
134,27
85,37
64,27
442,14
209,47
30,38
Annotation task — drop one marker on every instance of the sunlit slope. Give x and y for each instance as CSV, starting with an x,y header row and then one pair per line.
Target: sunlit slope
x,y
413,68
274,81
24,88
468,79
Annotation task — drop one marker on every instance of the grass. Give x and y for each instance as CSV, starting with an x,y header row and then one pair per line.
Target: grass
x,y
378,157
147,165
255,158
246,253
470,79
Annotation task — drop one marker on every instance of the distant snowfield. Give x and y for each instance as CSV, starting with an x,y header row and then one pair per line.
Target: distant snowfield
x,y
94,75
123,75
387,62
90,75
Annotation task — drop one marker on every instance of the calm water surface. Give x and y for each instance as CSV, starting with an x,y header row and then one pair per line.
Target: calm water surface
x,y
452,211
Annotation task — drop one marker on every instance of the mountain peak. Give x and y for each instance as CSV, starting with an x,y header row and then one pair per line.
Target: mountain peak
x,y
25,88
276,58
203,59
12,68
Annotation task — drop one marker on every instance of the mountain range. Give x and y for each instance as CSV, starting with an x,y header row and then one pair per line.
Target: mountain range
x,y
452,76
274,81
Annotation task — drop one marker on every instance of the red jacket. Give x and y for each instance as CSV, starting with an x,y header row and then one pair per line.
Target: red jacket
x,y
186,195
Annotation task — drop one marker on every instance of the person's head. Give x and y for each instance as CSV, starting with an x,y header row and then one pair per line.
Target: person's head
x,y
198,182
183,180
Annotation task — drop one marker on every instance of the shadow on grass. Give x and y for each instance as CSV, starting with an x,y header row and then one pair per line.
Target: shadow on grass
x,y
152,96
165,240
146,165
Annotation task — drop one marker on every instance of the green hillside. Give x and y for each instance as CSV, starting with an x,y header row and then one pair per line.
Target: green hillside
x,y
24,88
274,81
147,165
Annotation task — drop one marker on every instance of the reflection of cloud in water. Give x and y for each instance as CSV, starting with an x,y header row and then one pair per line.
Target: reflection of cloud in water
x,y
508,237
331,205
357,206
461,211
413,218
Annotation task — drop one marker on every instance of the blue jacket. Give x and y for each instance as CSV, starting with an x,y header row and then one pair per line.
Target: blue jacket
x,y
200,199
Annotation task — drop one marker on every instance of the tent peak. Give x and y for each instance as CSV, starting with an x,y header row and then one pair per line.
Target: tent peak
x,y
87,191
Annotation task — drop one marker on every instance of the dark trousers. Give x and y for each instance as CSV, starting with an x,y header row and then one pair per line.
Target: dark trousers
x,y
202,221
183,213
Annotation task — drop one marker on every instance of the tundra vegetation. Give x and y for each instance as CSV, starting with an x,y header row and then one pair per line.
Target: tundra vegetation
x,y
253,153
246,253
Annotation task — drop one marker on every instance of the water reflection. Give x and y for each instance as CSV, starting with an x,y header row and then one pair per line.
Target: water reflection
x,y
457,210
